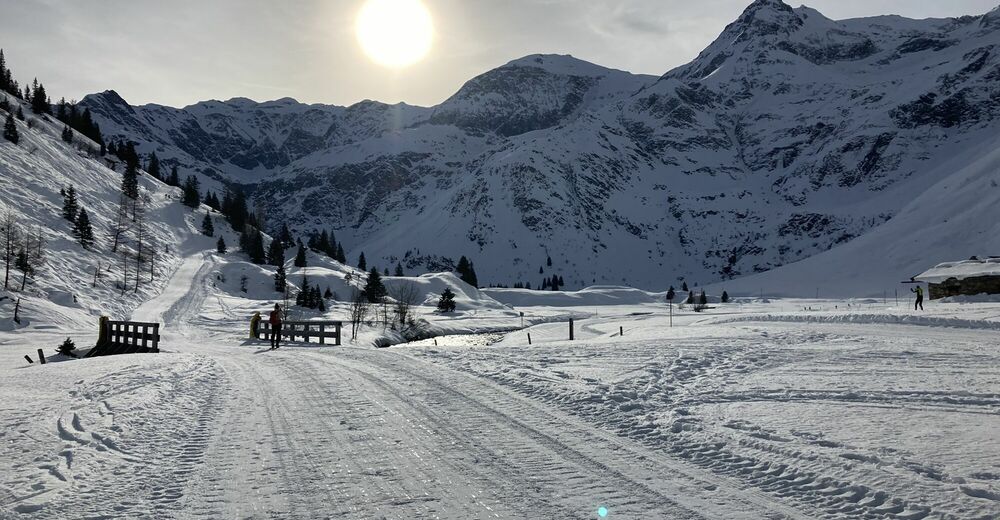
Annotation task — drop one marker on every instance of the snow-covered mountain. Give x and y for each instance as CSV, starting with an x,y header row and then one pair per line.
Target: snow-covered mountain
x,y
790,135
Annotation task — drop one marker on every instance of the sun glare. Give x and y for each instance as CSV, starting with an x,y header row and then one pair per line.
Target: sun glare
x,y
395,33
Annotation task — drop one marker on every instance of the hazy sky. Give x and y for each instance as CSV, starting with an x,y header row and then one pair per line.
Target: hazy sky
x,y
178,52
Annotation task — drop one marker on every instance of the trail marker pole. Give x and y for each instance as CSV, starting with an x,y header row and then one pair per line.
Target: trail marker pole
x,y
621,331
571,329
529,338
671,305
41,357
27,357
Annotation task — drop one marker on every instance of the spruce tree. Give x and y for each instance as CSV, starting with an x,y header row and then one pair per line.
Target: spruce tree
x,y
300,256
725,297
207,228
341,257
323,243
153,167
447,301
671,294
70,205
67,134
10,130
130,181
173,179
328,294
362,264
220,246
255,247
276,253
191,197
39,100
703,298
285,236
684,287
83,230
280,280
19,114
374,288
321,305
399,269
548,261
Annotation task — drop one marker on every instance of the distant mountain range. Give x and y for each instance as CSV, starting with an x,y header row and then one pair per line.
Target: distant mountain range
x,y
789,135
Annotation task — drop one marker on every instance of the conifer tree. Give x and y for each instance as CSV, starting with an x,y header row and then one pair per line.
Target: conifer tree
x,y
207,228
703,298
153,167
548,261
399,269
70,205
328,294
19,114
83,230
341,257
671,294
362,264
255,247
300,256
285,236
684,287
276,253
191,197
220,246
130,181
374,288
323,243
173,179
67,134
10,130
280,280
39,100
725,297
447,301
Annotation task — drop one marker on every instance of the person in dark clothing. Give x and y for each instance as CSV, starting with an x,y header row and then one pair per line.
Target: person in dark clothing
x,y
919,304
275,320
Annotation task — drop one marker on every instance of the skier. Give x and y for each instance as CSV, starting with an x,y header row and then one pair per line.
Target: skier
x,y
275,321
919,304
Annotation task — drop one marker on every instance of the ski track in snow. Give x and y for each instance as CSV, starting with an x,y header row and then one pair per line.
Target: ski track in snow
x,y
703,421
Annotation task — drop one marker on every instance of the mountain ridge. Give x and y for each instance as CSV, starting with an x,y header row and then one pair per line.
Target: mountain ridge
x,y
789,135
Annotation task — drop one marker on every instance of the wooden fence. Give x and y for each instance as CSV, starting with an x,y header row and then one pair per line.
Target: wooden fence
x,y
290,330
127,337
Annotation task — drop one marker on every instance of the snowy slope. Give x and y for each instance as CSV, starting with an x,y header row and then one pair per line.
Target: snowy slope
x,y
790,135
63,290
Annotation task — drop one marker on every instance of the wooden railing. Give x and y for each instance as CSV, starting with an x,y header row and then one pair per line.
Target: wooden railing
x,y
304,330
127,337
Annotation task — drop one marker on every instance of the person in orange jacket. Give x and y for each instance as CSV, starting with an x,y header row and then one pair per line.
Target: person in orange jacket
x,y
275,320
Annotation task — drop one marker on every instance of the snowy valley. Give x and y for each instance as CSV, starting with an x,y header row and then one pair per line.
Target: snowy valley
x,y
792,176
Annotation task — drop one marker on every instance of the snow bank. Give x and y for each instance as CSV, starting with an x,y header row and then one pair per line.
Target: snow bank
x,y
962,270
591,296
892,319
430,286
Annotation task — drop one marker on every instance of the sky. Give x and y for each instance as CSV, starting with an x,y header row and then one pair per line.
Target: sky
x,y
179,52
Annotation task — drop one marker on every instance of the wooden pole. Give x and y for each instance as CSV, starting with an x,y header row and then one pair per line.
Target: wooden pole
x,y
41,357
30,362
621,331
322,334
571,329
529,338
338,333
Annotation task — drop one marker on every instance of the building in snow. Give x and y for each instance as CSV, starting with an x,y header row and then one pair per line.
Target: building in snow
x,y
970,277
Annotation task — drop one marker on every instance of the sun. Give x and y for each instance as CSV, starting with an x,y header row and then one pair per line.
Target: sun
x,y
395,33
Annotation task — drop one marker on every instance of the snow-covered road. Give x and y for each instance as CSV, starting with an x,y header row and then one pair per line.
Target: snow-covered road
x,y
705,420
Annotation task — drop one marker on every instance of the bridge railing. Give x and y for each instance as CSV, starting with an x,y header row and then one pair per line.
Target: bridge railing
x,y
303,331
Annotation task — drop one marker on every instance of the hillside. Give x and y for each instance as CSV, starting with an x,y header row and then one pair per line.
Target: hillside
x,y
790,135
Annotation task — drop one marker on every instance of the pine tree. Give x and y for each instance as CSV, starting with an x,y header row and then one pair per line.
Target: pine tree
x,y
39,100
153,167
67,134
341,257
191,197
83,230
257,254
374,288
207,228
174,178
467,272
725,297
276,253
19,114
703,298
684,287
399,269
10,130
548,261
300,256
447,301
328,294
362,264
321,305
285,236
385,272
280,280
130,181
220,246
671,294
67,348
323,243
70,205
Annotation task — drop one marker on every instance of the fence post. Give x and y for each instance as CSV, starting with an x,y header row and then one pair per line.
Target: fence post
x,y
305,332
571,329
529,338
621,331
322,334
30,362
156,338
41,357
338,333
